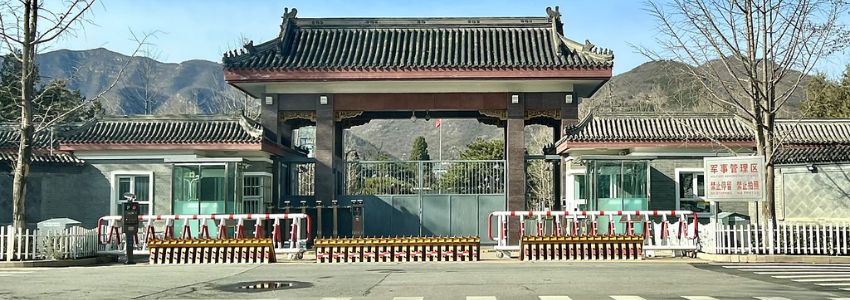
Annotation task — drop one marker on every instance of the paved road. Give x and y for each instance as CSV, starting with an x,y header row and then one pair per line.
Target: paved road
x,y
820,277
488,280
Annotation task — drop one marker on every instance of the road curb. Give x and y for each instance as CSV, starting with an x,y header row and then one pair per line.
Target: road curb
x,y
811,259
57,263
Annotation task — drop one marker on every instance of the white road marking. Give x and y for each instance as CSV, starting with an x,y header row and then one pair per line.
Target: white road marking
x,y
801,273
480,298
554,297
788,267
408,298
699,298
336,298
813,276
834,284
771,298
822,279
791,270
846,289
627,298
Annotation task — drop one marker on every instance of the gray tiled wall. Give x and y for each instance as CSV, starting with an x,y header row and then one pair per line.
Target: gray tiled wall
x,y
813,197
82,193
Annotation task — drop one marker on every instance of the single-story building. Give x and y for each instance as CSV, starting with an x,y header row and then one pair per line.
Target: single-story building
x,y
628,161
173,164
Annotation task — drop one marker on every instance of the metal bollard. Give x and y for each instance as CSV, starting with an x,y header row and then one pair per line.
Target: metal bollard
x,y
335,208
319,232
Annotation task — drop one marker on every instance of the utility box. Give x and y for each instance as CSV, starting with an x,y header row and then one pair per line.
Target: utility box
x,y
731,218
57,224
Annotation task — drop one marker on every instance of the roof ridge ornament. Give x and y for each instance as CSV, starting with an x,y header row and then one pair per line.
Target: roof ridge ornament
x,y
250,47
289,14
286,25
287,18
555,18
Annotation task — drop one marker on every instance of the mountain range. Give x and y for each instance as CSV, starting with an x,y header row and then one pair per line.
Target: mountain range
x,y
197,86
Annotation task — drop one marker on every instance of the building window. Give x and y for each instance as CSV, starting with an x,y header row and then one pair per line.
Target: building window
x,y
256,192
137,184
204,188
691,190
618,185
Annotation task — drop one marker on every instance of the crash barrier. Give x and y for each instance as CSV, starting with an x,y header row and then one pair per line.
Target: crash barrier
x,y
398,249
657,229
110,229
581,247
211,251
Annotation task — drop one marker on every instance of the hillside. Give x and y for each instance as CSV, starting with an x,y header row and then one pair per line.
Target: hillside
x,y
194,86
198,86
665,85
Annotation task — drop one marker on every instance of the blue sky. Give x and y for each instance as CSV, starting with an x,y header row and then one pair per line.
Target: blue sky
x,y
204,29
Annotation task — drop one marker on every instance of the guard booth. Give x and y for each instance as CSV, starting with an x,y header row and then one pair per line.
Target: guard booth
x,y
336,73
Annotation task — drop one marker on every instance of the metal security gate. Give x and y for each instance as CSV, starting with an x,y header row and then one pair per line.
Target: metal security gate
x,y
426,198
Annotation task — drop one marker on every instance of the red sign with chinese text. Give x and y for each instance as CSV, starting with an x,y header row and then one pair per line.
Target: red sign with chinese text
x,y
734,178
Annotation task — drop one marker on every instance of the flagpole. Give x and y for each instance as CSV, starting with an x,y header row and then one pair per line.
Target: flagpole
x,y
441,141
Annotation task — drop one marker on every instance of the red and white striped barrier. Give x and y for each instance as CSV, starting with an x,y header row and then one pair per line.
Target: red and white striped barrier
x,y
657,235
297,243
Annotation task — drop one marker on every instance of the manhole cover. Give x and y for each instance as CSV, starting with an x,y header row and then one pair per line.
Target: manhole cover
x,y
262,286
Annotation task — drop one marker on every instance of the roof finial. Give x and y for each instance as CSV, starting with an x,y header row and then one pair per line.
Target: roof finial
x,y
555,18
553,14
287,14
288,17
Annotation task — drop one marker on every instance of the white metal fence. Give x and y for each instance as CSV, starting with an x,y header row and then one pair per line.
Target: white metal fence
x,y
71,243
795,239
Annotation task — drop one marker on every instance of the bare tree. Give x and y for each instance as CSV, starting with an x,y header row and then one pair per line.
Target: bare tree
x,y
145,85
25,27
230,99
750,56
540,175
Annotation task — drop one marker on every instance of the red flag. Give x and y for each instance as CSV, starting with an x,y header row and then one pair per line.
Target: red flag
x,y
437,124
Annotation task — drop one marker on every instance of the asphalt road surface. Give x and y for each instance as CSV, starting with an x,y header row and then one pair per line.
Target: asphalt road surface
x,y
474,280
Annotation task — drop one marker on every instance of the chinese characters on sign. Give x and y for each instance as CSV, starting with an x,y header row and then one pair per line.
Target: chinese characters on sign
x,y
734,178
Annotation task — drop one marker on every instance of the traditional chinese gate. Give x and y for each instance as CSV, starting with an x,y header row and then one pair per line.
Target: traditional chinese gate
x,y
429,198
336,73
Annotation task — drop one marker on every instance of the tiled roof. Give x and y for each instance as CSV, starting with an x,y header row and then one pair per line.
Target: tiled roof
x,y
814,131
168,130
9,137
812,154
419,43
653,128
43,157
802,141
